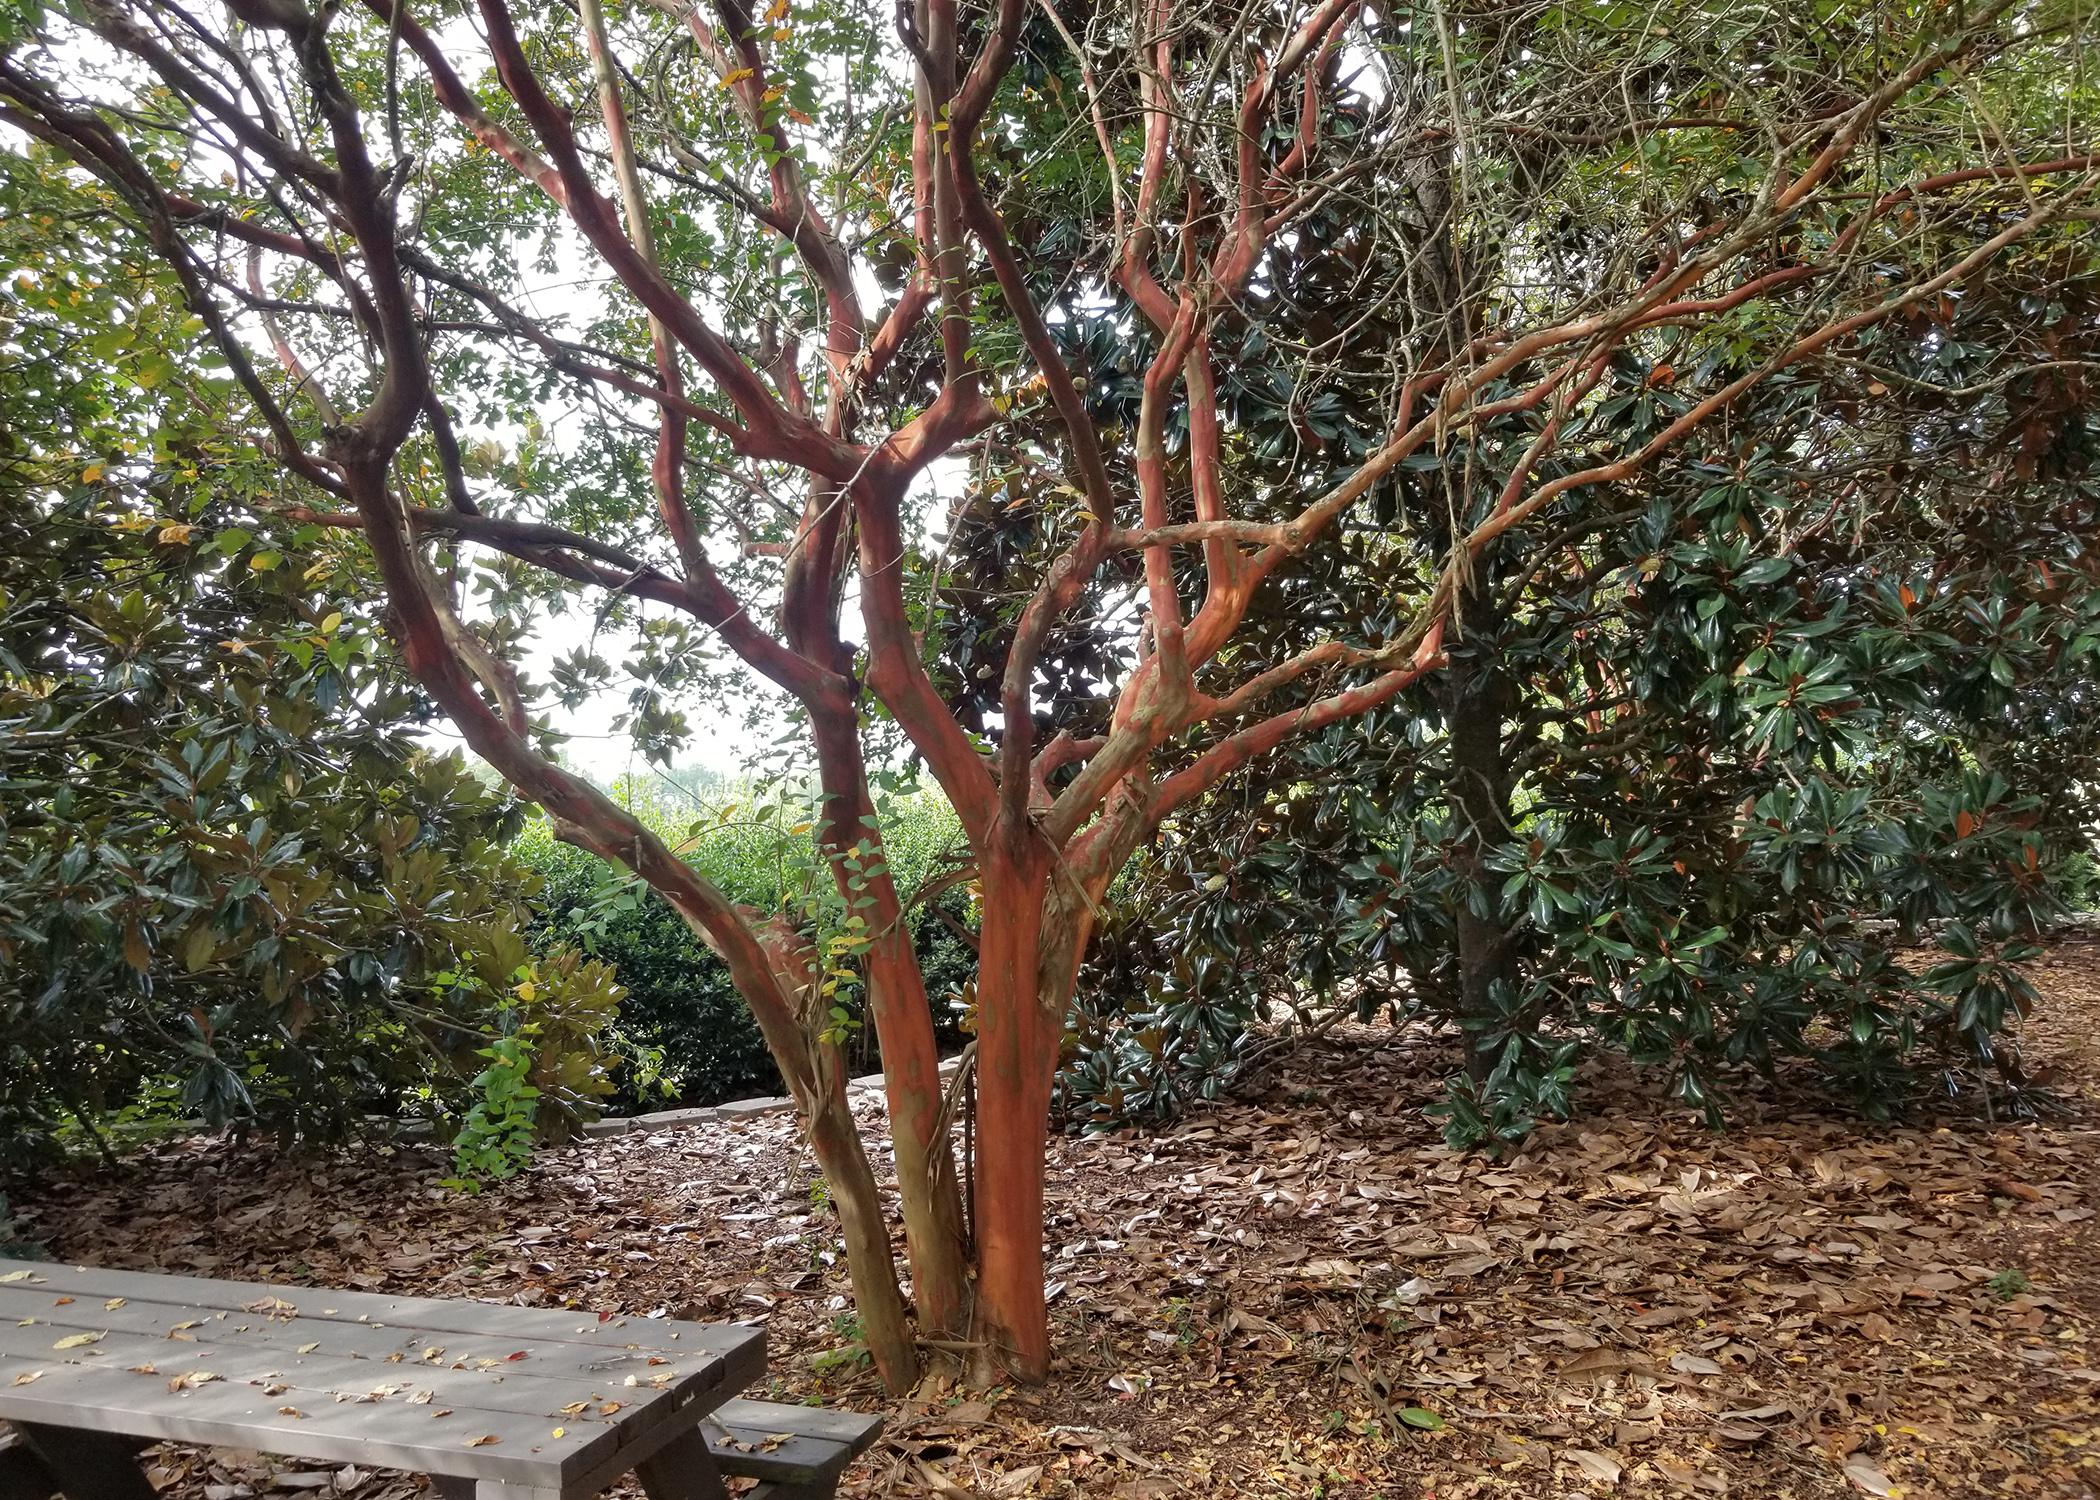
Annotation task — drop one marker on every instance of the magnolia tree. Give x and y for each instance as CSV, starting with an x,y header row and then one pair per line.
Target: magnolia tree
x,y
829,254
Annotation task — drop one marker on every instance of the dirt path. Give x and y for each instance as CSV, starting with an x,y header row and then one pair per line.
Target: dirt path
x,y
1263,1300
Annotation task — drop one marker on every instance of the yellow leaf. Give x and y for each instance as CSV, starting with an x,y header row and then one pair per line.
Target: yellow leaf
x,y
91,473
113,1304
559,1431
78,1340
730,80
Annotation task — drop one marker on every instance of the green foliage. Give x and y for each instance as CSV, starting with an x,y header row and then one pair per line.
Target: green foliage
x,y
758,847
2008,1284
496,1134
1715,750
239,869
236,882
1161,1020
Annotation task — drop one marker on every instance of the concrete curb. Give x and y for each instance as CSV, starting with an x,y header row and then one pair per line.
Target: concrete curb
x,y
734,1109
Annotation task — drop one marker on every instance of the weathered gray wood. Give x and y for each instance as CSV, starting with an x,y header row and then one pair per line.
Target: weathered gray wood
x,y
521,1403
568,1370
856,1429
633,1450
382,1434
517,1357
89,1465
682,1469
490,1320
799,1447
325,1377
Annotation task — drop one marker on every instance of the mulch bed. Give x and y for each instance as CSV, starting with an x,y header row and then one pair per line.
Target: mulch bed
x,y
1305,1293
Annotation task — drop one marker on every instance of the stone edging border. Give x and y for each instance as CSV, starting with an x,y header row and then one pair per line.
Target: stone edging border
x,y
734,1109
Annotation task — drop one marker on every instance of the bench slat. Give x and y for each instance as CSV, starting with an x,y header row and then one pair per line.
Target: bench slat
x,y
224,1414
791,1445
310,1378
449,1315
404,1348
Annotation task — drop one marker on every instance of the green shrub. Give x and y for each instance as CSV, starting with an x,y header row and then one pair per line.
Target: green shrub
x,y
235,883
495,1138
2080,882
680,1007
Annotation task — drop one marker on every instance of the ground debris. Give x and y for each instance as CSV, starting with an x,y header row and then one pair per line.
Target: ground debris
x,y
1306,1292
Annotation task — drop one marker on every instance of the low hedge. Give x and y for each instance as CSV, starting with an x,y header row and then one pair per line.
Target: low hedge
x,y
689,1036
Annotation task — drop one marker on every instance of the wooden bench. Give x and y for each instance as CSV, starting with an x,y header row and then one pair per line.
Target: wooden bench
x,y
798,1451
492,1402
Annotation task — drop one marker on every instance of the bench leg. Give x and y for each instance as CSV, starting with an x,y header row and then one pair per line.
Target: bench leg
x,y
88,1465
683,1469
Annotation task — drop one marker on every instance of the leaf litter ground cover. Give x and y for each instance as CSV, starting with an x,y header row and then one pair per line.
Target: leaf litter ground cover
x,y
1304,1293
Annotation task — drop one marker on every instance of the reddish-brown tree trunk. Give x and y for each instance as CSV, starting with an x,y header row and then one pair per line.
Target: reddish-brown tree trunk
x,y
1017,1046
927,1188
834,1139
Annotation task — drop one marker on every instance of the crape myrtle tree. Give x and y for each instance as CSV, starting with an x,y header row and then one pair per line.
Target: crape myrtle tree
x,y
803,225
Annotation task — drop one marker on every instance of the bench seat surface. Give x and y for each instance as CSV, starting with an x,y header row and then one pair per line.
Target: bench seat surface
x,y
529,1396
789,1444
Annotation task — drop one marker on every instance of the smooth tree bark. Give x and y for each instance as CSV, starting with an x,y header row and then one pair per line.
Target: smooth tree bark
x,y
1218,137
